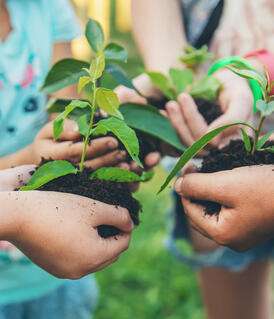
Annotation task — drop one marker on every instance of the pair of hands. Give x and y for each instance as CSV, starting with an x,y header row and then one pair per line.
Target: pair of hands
x,y
246,194
66,223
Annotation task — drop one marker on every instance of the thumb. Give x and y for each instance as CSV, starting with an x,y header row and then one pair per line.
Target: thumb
x,y
70,131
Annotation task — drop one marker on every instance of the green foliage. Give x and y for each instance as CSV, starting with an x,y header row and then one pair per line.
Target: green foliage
x,y
123,132
120,175
148,119
181,78
64,73
162,82
58,123
207,88
49,172
83,81
94,35
115,52
97,66
194,149
119,75
193,56
246,140
108,101
263,140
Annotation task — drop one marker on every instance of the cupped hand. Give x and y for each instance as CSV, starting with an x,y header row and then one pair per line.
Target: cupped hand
x,y
246,195
100,152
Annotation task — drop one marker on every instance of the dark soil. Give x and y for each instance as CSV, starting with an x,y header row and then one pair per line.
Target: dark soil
x,y
232,156
109,192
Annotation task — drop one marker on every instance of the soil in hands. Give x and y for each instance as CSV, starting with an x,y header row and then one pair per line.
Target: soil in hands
x,y
232,156
109,192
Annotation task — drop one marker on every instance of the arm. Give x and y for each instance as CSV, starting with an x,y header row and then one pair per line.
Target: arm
x,y
31,219
246,194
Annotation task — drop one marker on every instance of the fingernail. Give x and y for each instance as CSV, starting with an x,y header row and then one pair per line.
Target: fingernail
x,y
178,185
112,145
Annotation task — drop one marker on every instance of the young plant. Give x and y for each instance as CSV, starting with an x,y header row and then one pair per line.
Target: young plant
x,y
265,106
182,80
83,112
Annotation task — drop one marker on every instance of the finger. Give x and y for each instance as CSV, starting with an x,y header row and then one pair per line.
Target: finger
x,y
216,187
177,120
114,246
70,131
73,151
104,264
189,168
152,159
113,216
124,166
15,177
133,186
134,167
194,119
204,223
110,159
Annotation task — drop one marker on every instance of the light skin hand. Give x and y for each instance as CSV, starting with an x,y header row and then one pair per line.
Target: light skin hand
x,y
67,223
246,194
100,152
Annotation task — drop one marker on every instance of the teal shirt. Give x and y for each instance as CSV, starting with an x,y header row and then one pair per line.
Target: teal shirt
x,y
25,59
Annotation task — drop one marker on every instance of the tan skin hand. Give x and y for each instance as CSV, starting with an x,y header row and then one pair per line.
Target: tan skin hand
x,y
66,223
235,100
246,194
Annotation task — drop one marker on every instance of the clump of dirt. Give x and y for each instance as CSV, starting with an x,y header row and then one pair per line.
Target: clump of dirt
x,y
232,156
109,192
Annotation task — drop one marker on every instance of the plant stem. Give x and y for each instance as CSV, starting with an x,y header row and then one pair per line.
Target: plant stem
x,y
89,128
257,134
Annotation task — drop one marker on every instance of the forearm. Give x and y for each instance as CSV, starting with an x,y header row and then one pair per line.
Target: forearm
x,y
22,157
10,214
158,31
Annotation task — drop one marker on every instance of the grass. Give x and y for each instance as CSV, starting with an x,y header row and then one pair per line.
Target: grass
x,y
147,282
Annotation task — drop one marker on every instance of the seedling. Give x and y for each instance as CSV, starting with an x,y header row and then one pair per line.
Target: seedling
x,y
182,80
265,106
83,111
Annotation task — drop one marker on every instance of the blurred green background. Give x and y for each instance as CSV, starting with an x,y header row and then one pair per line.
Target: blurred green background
x,y
147,281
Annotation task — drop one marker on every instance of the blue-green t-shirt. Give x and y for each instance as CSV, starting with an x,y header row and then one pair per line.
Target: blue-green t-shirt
x,y
25,59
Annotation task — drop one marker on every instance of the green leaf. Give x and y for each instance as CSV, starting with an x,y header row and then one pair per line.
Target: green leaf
x,y
49,172
194,149
57,105
97,66
108,101
181,78
94,35
116,52
250,74
123,132
207,88
64,73
264,139
268,149
58,123
83,81
83,124
162,82
246,140
120,175
265,108
119,75
195,56
149,120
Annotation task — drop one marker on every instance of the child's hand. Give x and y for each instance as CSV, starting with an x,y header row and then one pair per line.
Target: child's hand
x,y
100,152
246,194
57,231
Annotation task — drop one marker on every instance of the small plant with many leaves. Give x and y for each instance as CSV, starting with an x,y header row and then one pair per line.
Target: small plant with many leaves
x,y
104,184
204,91
248,151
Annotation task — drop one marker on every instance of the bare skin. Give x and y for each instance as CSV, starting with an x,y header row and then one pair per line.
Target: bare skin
x,y
246,194
31,219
